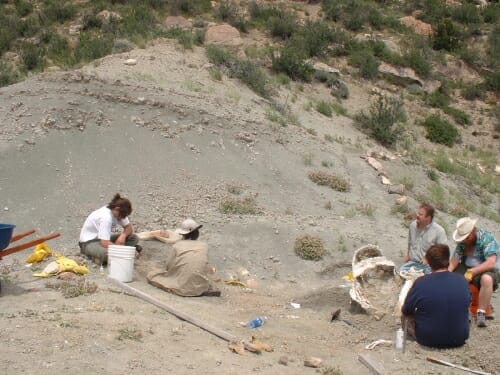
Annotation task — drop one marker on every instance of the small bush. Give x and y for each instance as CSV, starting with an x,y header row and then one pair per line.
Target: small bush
x,y
229,11
245,206
291,61
332,181
58,11
32,56
366,62
324,108
73,288
493,81
447,36
472,92
441,131
122,45
433,175
130,334
190,7
92,47
282,24
8,75
384,120
459,116
437,99
23,7
309,248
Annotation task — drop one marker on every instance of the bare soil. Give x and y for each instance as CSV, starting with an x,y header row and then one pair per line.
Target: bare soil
x,y
177,143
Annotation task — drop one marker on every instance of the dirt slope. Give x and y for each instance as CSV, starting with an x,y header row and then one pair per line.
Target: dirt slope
x,y
166,135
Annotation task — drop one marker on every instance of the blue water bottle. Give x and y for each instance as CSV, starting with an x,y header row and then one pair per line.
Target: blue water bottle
x,y
257,322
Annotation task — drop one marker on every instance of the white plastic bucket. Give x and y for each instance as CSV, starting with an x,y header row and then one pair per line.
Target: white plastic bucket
x,y
121,262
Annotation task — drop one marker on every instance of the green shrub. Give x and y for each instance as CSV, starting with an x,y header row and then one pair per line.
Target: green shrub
x,y
384,119
229,11
58,11
441,131
316,37
282,24
251,74
236,206
6,39
57,48
331,180
447,36
472,92
466,13
492,81
491,13
8,75
366,62
190,7
324,108
92,47
32,56
23,7
459,116
219,56
437,99
122,45
309,248
139,20
291,61
91,21
419,61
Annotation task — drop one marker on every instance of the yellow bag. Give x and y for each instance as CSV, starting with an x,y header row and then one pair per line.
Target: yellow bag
x,y
39,254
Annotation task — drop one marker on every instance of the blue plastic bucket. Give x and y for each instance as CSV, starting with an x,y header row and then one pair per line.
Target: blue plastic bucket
x,y
6,231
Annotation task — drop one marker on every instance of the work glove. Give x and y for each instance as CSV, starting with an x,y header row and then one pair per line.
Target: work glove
x,y
468,276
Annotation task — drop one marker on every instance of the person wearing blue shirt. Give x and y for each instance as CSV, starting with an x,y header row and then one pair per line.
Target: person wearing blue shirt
x,y
437,306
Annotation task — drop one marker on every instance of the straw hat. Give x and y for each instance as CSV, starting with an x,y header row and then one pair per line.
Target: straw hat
x,y
465,226
187,226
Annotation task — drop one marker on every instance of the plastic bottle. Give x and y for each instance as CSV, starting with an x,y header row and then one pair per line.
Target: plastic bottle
x,y
257,322
399,339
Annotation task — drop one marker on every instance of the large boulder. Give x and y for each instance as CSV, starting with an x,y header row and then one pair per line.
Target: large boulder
x,y
418,26
399,75
179,22
223,34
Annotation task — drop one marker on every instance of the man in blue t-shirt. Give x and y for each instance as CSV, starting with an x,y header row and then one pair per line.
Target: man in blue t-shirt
x,y
437,305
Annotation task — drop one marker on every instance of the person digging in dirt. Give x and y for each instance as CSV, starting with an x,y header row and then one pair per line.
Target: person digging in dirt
x,y
437,305
96,234
187,269
477,257
422,234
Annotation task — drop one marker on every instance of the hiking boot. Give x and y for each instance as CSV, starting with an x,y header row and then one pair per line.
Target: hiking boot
x,y
211,293
481,319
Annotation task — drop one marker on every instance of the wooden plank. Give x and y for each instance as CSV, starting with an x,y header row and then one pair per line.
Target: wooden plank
x,y
183,316
27,245
374,367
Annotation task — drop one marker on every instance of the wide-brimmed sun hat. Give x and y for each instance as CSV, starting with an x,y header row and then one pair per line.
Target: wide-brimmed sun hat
x,y
187,226
465,226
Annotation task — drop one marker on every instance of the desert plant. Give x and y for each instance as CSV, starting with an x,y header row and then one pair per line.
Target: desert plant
x,y
291,61
366,62
32,56
229,11
122,45
129,334
58,11
474,91
23,7
324,108
441,131
91,47
244,206
459,116
282,24
73,288
190,7
8,75
447,36
433,175
384,119
331,180
366,209
309,248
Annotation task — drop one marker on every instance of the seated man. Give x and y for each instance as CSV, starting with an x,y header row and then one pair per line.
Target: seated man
x,y
477,258
437,305
422,234
188,267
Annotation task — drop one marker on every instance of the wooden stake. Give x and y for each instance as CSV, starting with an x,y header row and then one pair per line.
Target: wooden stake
x,y
441,362
183,316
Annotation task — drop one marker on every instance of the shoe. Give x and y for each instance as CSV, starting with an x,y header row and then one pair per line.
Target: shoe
x,y
138,248
481,319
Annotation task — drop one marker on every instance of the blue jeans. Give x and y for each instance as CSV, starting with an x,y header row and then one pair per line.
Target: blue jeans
x,y
415,264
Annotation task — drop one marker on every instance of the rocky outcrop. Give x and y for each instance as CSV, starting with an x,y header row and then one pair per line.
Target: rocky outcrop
x,y
179,22
223,34
418,26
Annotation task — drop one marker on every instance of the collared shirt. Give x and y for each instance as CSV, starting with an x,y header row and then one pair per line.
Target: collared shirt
x,y
486,246
420,240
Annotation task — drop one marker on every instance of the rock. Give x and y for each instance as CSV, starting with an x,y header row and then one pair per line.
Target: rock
x,y
418,26
402,200
497,170
313,362
375,164
223,34
130,62
75,29
386,181
283,360
399,75
179,22
107,16
397,189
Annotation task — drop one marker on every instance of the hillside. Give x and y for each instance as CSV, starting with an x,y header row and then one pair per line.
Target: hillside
x,y
158,125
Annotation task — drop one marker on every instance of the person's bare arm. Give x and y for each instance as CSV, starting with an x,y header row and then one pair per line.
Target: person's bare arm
x,y
486,266
453,264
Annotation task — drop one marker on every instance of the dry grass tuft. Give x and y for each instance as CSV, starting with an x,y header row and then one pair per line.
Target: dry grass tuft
x,y
328,179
